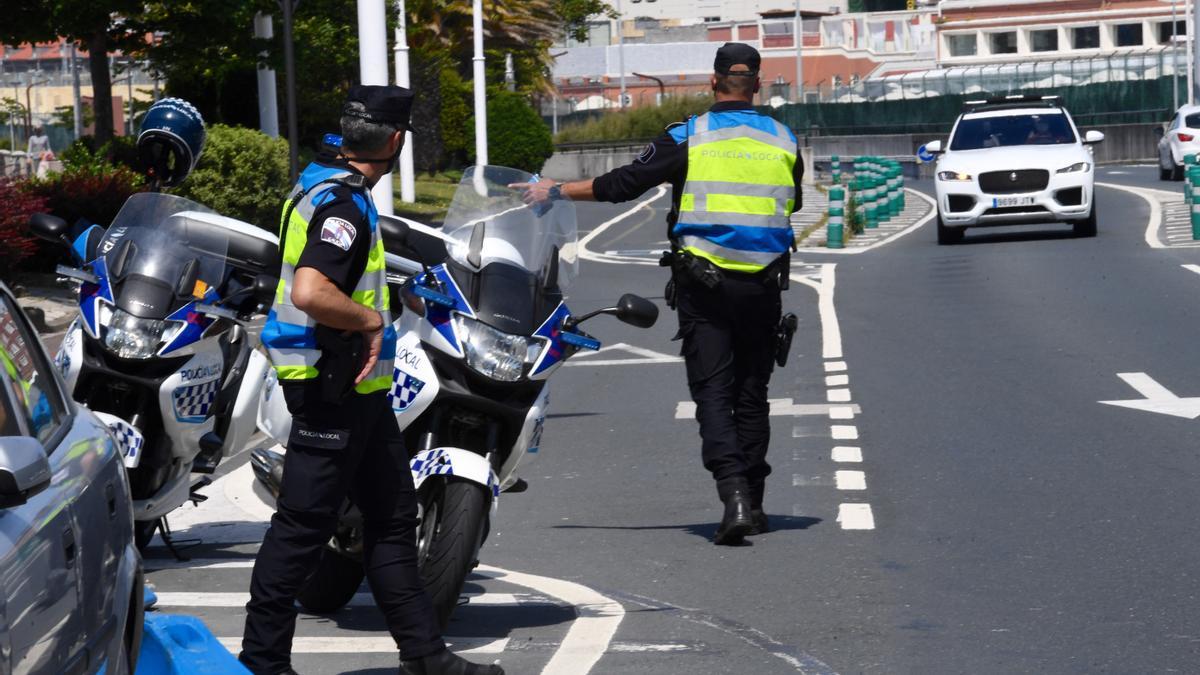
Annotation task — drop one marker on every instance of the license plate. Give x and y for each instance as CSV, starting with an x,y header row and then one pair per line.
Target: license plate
x,y
998,202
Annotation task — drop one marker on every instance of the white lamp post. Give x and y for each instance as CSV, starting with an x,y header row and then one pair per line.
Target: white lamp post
x,y
408,192
481,153
373,65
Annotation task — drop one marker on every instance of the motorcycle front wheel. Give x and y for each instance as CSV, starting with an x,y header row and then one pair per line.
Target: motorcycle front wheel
x,y
454,519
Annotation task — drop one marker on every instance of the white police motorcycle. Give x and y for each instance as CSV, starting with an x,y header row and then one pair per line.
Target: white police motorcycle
x,y
160,350
484,326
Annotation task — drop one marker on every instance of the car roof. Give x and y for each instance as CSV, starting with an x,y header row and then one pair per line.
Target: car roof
x,y
1187,109
1010,112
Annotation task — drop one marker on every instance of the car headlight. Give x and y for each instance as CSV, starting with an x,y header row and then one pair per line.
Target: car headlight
x,y
953,175
1076,168
489,352
131,337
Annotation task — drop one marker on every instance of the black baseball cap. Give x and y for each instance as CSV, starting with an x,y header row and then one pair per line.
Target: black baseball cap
x,y
387,104
737,54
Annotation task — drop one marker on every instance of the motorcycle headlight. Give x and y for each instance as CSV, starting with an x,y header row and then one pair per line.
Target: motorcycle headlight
x,y
953,175
1075,168
497,355
131,337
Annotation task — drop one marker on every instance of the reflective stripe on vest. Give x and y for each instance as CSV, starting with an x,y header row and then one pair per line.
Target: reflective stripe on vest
x,y
289,333
736,204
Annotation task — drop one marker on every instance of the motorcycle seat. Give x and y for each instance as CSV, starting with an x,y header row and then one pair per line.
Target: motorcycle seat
x,y
408,238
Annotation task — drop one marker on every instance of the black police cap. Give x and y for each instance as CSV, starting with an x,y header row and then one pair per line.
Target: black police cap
x,y
737,54
387,104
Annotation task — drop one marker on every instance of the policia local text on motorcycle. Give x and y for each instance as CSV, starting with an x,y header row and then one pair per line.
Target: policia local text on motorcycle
x,y
735,180
332,344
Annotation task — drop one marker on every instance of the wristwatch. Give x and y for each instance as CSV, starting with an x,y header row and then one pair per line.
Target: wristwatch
x,y
555,192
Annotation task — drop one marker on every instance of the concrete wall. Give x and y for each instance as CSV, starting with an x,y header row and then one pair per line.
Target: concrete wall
x,y
1122,143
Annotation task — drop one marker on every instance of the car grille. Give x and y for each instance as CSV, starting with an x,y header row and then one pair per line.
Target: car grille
x,y
1011,182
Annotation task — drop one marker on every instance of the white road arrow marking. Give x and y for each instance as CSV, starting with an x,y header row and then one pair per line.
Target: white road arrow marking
x,y
1158,399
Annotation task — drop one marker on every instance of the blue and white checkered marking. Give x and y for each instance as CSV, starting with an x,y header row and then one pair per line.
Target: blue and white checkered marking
x,y
404,390
129,440
437,463
193,401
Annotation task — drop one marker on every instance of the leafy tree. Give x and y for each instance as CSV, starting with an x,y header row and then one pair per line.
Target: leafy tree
x,y
243,173
97,25
517,136
64,116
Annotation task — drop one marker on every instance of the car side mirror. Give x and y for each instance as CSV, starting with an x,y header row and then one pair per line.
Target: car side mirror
x,y
265,287
934,147
1093,137
24,470
636,311
48,227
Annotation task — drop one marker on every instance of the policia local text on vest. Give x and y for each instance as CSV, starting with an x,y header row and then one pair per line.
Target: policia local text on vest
x,y
735,177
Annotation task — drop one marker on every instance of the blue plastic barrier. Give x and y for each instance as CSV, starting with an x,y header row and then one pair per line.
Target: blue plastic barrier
x,y
183,645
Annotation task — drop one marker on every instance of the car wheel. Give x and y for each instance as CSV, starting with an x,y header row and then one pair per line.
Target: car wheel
x,y
130,645
1177,173
1163,174
143,532
1087,226
948,235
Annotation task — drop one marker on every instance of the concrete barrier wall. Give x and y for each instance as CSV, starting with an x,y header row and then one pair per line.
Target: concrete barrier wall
x,y
1122,143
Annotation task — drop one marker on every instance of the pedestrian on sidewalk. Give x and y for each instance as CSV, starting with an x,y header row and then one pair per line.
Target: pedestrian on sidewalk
x,y
36,149
331,341
735,181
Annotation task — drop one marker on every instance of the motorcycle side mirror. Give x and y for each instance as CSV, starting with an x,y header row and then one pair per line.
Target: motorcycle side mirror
x,y
48,227
636,311
265,287
187,279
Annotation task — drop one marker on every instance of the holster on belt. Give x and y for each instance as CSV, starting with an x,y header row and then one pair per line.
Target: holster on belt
x,y
342,354
783,337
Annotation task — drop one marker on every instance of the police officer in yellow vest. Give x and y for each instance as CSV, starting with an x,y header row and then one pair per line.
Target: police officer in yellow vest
x,y
330,339
735,179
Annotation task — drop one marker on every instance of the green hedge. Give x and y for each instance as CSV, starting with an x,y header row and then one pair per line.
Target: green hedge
x,y
243,173
636,124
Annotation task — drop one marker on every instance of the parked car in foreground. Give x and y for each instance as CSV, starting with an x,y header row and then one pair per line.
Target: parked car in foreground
x,y
1181,137
70,578
1013,161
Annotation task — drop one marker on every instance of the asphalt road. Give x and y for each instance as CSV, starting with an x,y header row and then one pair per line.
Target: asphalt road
x,y
1006,520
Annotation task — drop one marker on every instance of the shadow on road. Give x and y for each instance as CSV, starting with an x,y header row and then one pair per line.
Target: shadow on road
x,y
705,530
1009,237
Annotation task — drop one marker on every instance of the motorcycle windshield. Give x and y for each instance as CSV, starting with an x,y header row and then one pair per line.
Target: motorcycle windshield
x,y
163,251
487,222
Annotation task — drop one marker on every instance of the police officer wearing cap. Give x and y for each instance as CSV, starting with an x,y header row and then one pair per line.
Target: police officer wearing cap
x,y
735,179
331,342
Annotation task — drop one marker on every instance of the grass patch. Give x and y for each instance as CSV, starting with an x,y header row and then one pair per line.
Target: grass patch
x,y
433,196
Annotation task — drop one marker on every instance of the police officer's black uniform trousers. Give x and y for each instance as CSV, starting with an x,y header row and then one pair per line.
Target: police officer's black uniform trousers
x,y
350,448
728,337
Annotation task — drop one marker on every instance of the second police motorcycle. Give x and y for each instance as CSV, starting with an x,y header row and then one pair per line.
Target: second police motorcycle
x,y
160,349
484,326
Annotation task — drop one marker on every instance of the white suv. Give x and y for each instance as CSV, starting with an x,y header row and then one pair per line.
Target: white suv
x,y
1013,161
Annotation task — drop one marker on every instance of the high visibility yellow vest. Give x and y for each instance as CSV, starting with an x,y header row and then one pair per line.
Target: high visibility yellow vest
x,y
289,333
736,205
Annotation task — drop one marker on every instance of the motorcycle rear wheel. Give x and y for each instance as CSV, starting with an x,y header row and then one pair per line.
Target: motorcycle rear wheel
x,y
333,583
450,534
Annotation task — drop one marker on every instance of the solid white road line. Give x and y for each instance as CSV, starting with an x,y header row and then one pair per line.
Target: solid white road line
x,y
847,453
831,332
207,599
780,407
856,517
587,254
835,366
640,356
850,480
842,432
589,635
383,644
1192,268
1151,198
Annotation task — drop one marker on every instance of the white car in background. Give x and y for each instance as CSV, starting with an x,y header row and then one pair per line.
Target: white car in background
x,y
1180,139
1014,161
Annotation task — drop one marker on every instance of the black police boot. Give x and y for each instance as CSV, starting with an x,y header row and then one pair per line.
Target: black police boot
x,y
446,662
737,522
762,524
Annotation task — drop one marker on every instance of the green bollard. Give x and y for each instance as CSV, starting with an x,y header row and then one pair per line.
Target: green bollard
x,y
1193,183
883,207
1189,163
872,206
835,237
835,163
897,199
860,201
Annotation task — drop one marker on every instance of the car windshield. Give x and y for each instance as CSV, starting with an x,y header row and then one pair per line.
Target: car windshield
x,y
166,234
488,219
976,133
